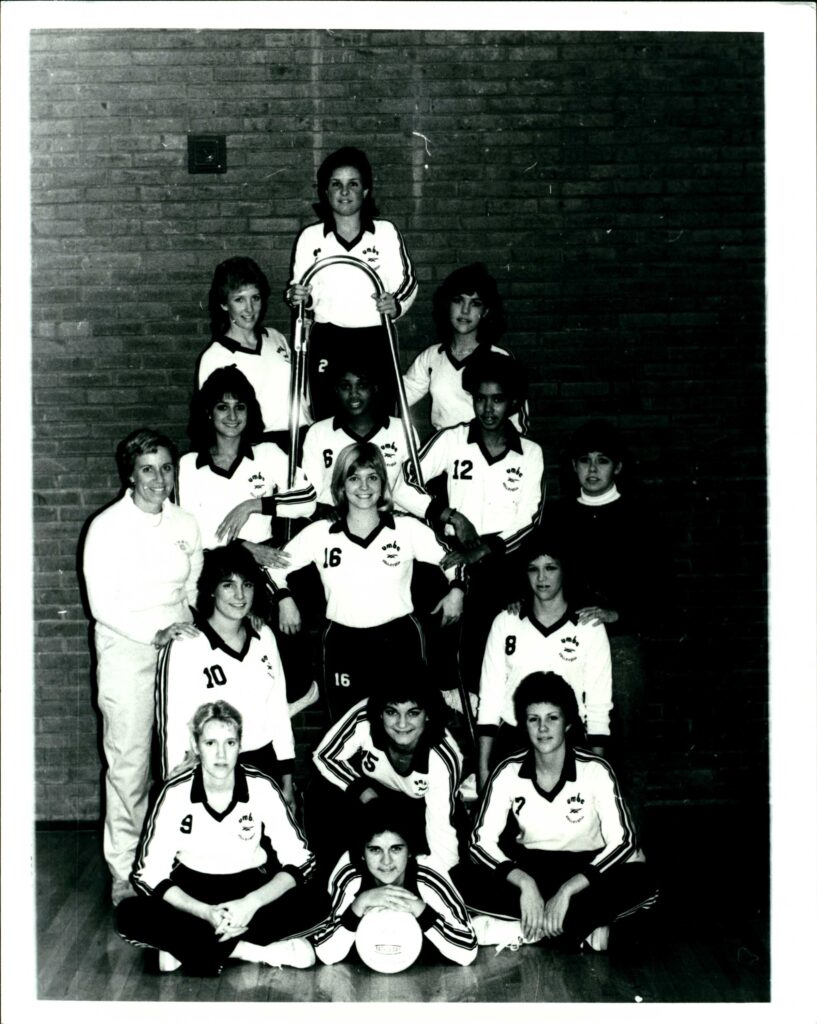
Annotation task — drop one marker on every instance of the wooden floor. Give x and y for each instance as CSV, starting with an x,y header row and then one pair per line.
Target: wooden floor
x,y
709,942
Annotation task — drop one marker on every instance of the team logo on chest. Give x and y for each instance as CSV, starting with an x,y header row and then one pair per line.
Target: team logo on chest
x,y
570,648
265,661
372,256
575,809
389,450
391,553
246,827
420,785
257,484
513,479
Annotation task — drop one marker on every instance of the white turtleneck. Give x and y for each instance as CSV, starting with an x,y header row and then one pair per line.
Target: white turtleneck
x,y
599,499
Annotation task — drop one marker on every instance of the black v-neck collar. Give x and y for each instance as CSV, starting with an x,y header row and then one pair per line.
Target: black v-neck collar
x,y
379,424
205,458
386,523
241,793
568,616
218,644
512,440
528,771
236,346
459,363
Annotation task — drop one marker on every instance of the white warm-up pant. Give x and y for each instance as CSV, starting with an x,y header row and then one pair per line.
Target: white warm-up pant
x,y
126,674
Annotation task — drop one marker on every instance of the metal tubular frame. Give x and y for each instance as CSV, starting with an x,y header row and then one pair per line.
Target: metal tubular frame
x,y
299,350
298,392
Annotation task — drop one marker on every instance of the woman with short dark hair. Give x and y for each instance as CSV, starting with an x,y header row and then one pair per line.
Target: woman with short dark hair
x,y
381,871
574,866
235,655
394,744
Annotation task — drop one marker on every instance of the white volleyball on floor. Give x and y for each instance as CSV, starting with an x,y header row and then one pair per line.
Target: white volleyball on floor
x,y
388,940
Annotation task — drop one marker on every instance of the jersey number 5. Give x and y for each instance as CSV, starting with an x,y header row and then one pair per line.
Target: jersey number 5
x,y
331,557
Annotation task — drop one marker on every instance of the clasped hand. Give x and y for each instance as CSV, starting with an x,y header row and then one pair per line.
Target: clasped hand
x,y
232,918
388,897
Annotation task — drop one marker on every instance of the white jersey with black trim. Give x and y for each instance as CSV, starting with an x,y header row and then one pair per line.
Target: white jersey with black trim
x,y
195,670
449,927
347,754
326,439
267,367
342,294
182,828
519,644
261,471
437,372
583,813
501,495
367,582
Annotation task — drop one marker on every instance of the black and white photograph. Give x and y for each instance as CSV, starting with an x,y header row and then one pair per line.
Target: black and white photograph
x,y
408,520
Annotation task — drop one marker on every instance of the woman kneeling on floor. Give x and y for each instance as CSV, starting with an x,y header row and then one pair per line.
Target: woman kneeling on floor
x,y
380,872
571,866
223,869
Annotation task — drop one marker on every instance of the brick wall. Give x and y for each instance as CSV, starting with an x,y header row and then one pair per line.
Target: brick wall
x,y
612,182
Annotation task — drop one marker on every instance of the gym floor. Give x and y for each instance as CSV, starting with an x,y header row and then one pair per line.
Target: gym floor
x,y
707,943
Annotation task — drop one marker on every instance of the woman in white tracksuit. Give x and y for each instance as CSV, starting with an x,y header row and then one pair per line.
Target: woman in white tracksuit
x,y
141,563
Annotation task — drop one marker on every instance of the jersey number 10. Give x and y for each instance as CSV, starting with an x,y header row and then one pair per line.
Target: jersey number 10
x,y
215,676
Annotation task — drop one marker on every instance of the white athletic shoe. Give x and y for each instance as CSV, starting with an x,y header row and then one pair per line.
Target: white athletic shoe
x,y
168,962
599,938
302,703
284,953
495,931
290,953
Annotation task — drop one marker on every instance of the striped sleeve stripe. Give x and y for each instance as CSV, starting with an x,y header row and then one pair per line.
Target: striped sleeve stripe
x,y
620,853
409,278
408,468
161,706
329,755
513,542
459,934
447,753
150,826
296,497
478,854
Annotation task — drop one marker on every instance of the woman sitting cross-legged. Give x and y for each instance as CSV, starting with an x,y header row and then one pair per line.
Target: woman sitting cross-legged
x,y
574,866
381,872
223,869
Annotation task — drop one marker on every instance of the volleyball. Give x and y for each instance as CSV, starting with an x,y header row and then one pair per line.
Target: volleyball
x,y
388,940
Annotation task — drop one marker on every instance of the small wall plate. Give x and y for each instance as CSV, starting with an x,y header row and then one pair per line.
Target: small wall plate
x,y
207,154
